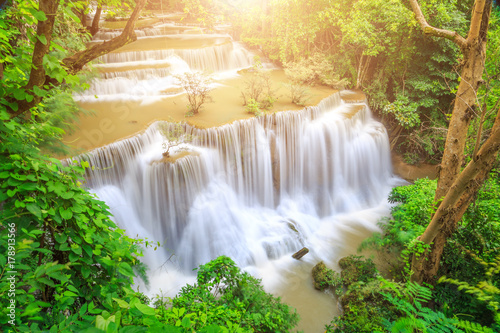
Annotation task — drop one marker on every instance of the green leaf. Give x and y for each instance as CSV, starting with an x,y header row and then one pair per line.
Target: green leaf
x,y
145,309
34,209
65,213
70,294
38,14
67,195
42,39
19,94
61,238
121,303
125,269
39,92
83,310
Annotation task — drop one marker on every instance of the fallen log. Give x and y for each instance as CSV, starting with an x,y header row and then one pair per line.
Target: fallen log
x,y
300,253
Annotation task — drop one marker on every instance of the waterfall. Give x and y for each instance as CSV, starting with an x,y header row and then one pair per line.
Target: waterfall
x,y
256,190
129,75
216,58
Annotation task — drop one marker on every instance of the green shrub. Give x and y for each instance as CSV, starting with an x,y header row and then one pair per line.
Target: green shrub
x,y
357,269
254,107
224,296
409,217
259,88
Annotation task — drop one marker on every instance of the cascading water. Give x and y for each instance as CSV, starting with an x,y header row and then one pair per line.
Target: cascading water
x,y
255,190
141,73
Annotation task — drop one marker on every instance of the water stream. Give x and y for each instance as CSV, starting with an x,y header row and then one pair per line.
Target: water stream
x,y
256,190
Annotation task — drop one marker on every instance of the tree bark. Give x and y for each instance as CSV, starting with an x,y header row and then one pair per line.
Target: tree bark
x,y
450,212
454,205
474,54
95,21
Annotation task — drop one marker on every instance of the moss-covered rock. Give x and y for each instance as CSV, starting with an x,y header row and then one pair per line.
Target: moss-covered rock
x,y
356,268
324,277
364,309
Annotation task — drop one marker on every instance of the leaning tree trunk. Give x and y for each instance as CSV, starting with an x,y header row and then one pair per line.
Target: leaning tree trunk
x,y
442,225
454,205
95,21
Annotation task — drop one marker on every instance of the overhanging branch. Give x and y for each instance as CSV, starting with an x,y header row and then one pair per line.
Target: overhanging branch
x,y
76,62
73,63
432,31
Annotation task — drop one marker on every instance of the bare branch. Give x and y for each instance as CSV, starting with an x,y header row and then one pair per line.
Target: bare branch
x,y
430,30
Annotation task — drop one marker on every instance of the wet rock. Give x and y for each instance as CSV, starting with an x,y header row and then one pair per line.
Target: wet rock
x,y
300,253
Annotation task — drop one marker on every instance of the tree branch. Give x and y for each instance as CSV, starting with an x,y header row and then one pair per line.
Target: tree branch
x,y
76,62
73,63
430,30
484,160
475,22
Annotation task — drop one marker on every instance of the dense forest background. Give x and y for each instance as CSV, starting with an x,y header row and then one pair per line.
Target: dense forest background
x,y
74,269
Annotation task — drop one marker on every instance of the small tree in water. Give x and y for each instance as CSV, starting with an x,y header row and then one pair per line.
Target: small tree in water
x,y
175,135
197,87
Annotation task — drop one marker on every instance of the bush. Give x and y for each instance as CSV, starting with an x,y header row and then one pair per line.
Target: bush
x,y
259,88
409,217
197,87
297,93
253,107
175,136
224,296
356,268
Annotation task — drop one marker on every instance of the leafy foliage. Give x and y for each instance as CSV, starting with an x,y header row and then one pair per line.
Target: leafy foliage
x,y
356,268
225,296
409,300
258,89
410,215
485,290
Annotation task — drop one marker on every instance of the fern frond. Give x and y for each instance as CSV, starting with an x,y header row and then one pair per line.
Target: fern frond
x,y
471,327
407,325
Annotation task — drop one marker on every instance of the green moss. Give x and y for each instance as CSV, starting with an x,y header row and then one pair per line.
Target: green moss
x,y
324,277
355,268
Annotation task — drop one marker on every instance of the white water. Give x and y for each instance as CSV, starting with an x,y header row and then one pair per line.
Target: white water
x,y
256,190
153,81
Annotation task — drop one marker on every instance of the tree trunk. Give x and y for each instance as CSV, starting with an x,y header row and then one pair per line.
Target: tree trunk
x,y
42,45
73,63
364,63
452,183
95,21
454,205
